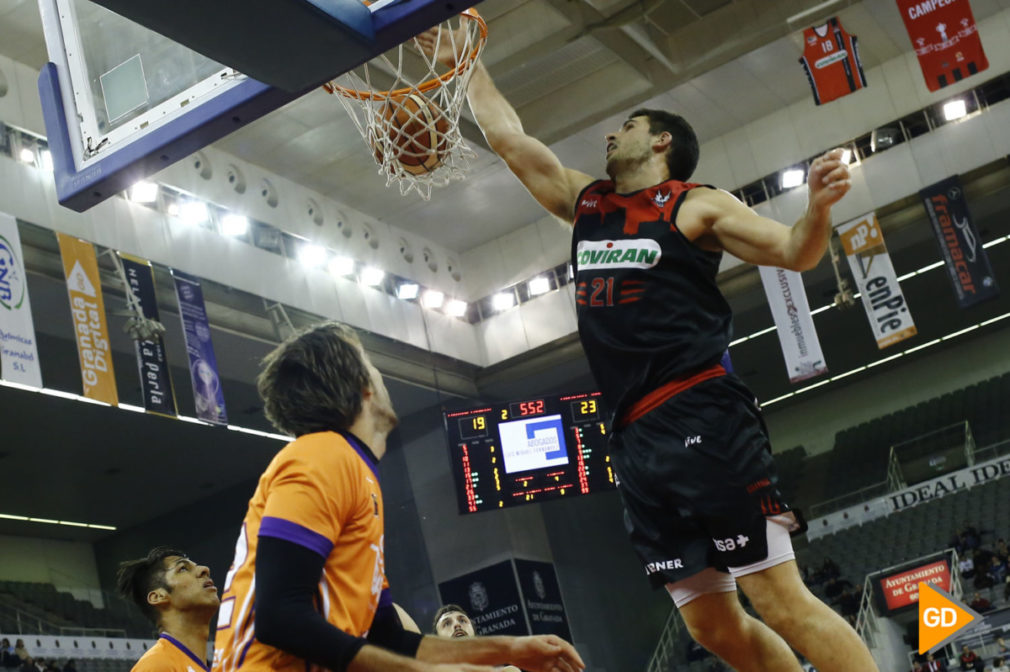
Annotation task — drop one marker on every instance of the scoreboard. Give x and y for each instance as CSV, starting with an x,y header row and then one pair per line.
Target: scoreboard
x,y
529,451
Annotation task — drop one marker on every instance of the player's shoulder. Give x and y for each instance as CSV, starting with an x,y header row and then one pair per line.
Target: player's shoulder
x,y
319,451
162,658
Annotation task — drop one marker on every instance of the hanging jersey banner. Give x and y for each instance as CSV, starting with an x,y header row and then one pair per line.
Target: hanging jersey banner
x,y
875,278
945,39
155,378
87,308
19,356
795,325
207,392
831,61
960,245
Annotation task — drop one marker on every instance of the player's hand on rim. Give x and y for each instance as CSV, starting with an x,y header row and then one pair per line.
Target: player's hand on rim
x,y
545,653
828,180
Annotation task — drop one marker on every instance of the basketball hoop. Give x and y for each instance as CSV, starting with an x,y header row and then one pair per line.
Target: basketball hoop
x,y
412,125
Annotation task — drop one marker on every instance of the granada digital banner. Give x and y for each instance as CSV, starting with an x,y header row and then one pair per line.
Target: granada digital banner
x,y
155,378
787,299
960,245
207,392
87,308
19,355
899,589
491,599
541,593
878,285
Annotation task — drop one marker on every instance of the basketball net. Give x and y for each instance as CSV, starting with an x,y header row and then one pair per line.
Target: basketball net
x,y
418,147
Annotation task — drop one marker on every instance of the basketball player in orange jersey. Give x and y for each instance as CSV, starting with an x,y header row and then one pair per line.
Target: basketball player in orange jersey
x,y
689,447
307,588
180,598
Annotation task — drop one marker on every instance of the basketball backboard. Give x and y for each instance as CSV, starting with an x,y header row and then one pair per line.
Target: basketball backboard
x,y
123,100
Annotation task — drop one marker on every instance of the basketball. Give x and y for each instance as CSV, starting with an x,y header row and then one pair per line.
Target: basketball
x,y
416,130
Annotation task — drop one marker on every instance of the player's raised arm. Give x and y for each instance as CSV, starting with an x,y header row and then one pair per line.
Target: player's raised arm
x,y
551,184
763,241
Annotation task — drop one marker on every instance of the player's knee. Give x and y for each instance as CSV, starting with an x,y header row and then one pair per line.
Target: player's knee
x,y
782,616
717,634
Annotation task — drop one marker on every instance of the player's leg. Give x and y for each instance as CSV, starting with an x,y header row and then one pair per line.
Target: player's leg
x,y
710,608
811,627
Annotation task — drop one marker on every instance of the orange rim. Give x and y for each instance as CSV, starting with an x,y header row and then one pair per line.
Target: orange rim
x,y
428,84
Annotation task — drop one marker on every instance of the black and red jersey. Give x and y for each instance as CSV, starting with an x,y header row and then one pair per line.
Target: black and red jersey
x,y
648,306
831,61
945,39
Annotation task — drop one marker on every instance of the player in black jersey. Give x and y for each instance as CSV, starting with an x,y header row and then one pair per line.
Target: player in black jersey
x,y
689,447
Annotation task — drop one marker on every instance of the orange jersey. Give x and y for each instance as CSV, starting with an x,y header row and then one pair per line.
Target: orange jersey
x,y
169,655
320,492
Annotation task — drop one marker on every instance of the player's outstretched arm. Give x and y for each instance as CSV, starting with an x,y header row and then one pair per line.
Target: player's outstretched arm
x,y
539,653
762,241
537,167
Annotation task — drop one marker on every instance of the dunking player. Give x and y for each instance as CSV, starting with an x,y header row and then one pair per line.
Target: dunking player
x,y
308,580
180,598
689,447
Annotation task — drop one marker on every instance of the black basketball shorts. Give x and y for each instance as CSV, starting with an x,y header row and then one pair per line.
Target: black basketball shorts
x,y
698,481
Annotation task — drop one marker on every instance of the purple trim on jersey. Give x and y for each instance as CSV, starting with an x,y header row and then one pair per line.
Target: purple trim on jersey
x,y
182,647
363,451
245,649
385,598
279,528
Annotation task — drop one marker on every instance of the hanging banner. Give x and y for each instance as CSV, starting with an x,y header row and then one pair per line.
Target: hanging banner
x,y
875,278
538,583
795,325
831,61
87,308
155,378
19,356
490,598
945,39
960,244
207,392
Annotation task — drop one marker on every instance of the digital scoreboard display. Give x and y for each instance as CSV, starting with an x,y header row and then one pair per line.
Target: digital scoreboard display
x,y
529,451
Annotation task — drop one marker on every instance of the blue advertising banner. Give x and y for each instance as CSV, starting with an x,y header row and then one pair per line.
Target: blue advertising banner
x,y
155,378
542,598
491,599
207,392
960,245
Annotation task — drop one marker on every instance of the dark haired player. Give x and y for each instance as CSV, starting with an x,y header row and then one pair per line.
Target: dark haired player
x,y
180,599
307,589
690,450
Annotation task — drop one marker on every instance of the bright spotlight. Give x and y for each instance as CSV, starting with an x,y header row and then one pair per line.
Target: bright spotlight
x,y
539,285
341,266
954,109
27,155
407,291
432,299
371,276
455,308
144,192
193,212
503,301
234,225
792,178
311,255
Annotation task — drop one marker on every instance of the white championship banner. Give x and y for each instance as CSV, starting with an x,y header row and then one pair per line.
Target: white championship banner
x,y
794,323
19,356
871,266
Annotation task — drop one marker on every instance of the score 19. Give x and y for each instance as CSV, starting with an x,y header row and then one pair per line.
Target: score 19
x,y
473,427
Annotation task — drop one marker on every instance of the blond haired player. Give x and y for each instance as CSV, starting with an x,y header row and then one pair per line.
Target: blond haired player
x,y
307,588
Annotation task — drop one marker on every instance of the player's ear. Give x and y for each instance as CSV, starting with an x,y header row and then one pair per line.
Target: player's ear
x,y
157,597
664,141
